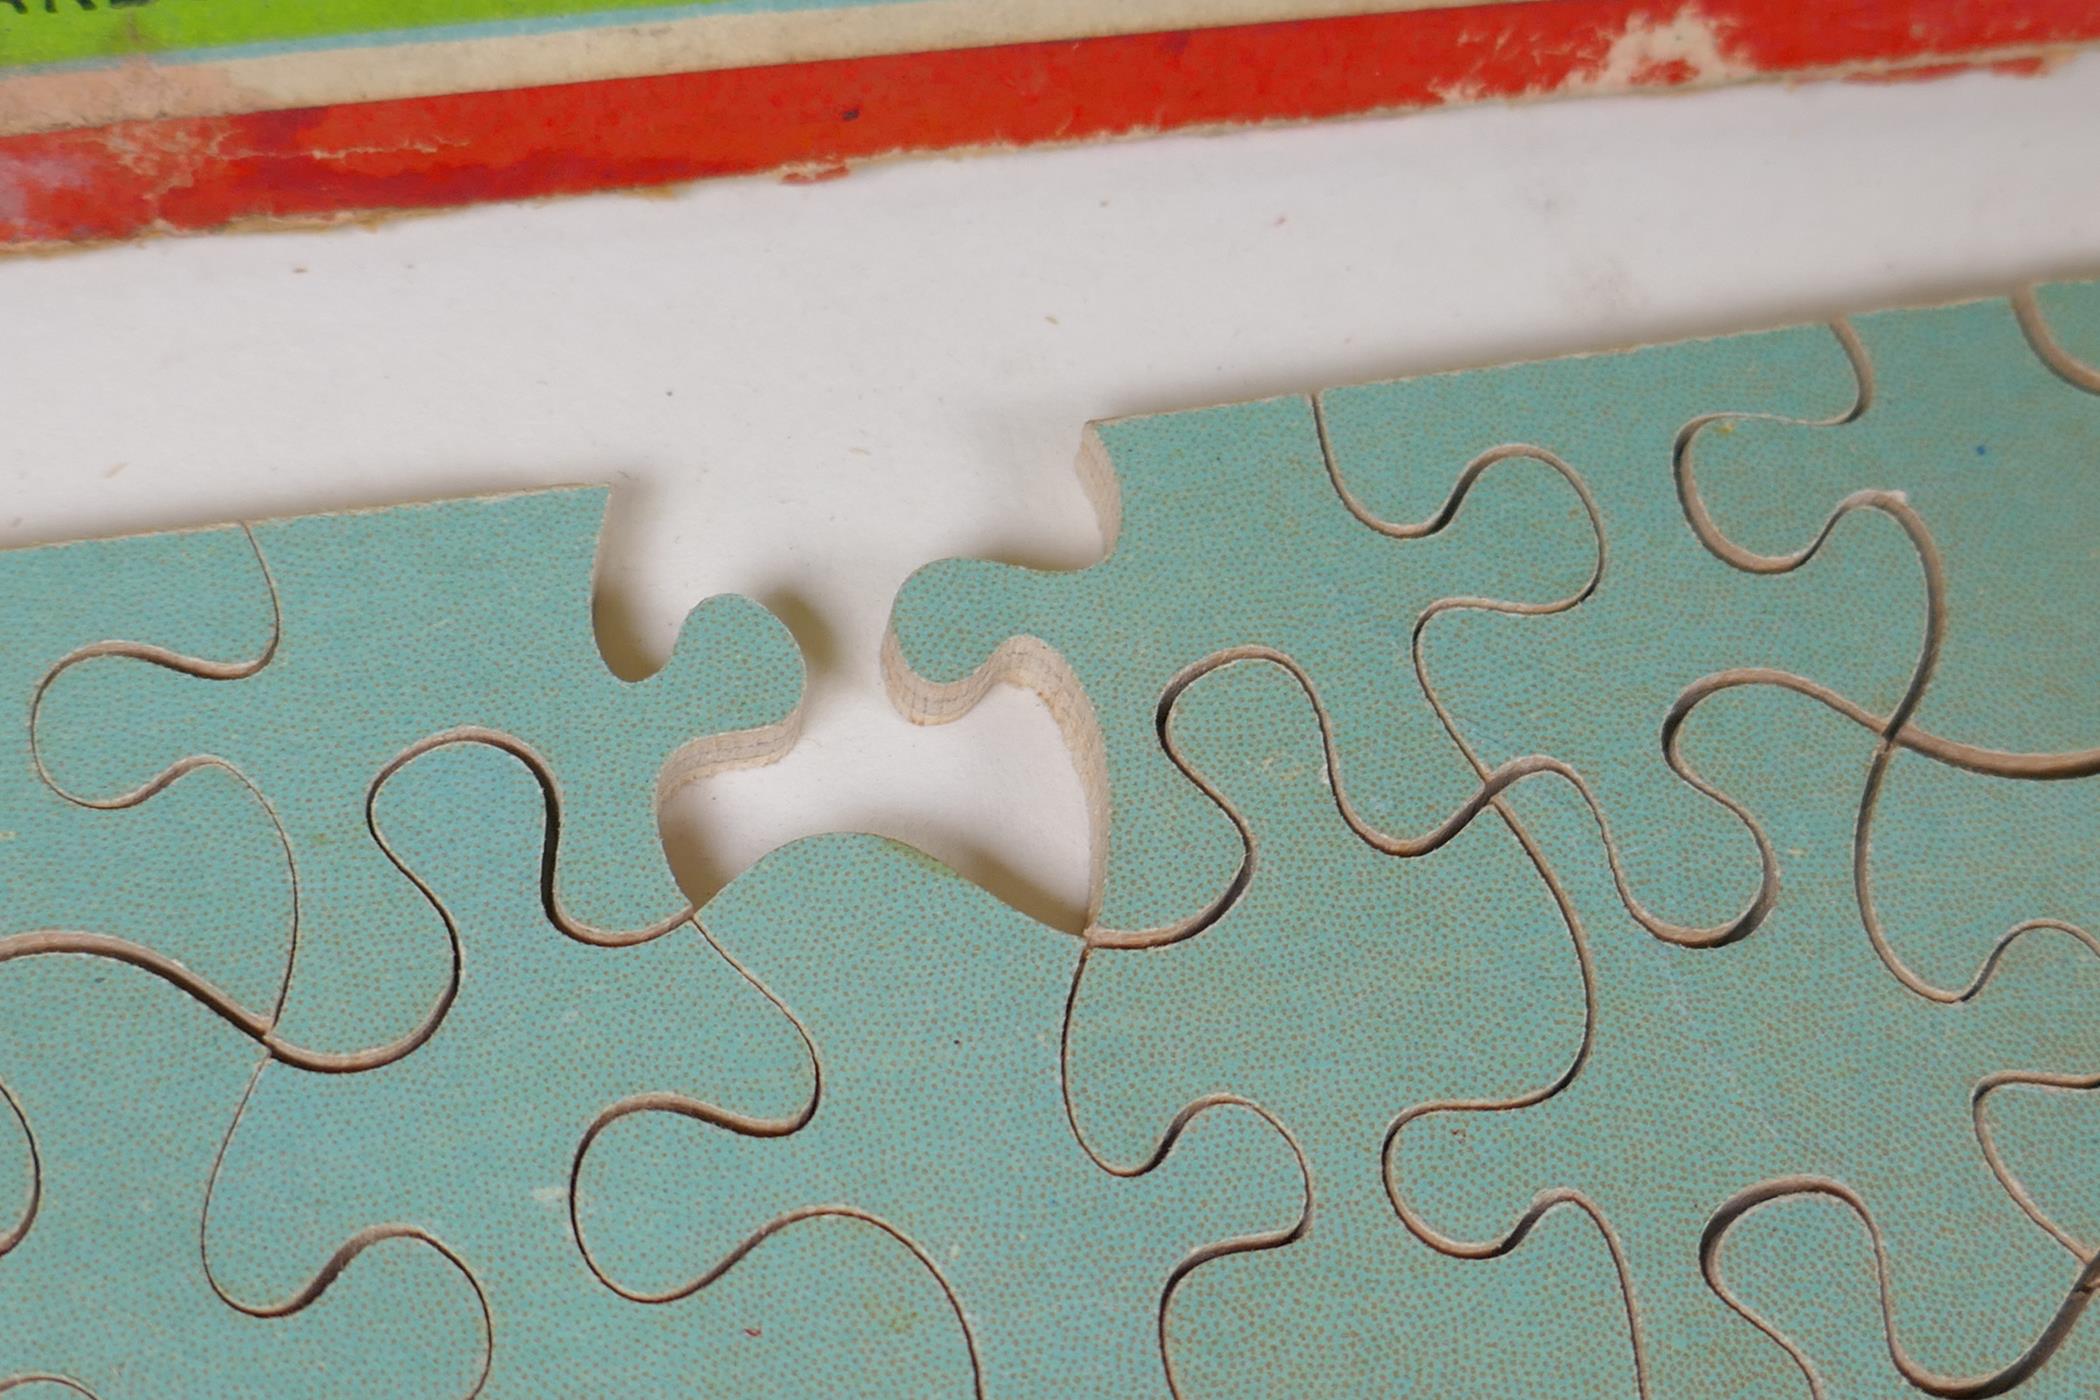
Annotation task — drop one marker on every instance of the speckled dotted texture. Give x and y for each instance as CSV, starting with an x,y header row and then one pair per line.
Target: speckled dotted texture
x,y
1824,1120
933,1012
1595,870
393,628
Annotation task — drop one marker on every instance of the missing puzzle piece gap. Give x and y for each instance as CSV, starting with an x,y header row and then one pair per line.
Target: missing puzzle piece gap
x,y
1172,534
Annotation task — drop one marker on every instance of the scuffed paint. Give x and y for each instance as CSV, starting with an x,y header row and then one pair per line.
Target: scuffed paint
x,y
817,119
23,175
1687,47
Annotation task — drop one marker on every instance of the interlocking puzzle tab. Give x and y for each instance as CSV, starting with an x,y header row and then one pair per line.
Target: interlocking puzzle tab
x,y
1592,685
933,1011
1717,1077
1225,531
471,1137
1614,683
1983,449
1596,889
1798,1044
122,1096
1341,988
129,939
395,627
69,871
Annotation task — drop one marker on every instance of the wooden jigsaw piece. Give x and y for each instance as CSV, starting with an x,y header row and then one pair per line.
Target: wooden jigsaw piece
x,y
115,1093
395,627
1808,1258
136,878
470,1139
934,1013
1719,1078
1974,436
1595,685
129,1088
1225,531
1343,986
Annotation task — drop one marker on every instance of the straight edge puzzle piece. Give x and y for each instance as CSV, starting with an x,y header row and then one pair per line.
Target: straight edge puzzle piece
x,y
696,758
1031,663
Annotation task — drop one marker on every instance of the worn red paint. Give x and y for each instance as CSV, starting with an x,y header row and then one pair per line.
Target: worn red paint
x,y
201,173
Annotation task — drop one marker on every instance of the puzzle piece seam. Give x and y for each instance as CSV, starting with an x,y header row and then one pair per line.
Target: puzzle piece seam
x,y
1895,731
1029,662
1494,784
2051,350
1807,1188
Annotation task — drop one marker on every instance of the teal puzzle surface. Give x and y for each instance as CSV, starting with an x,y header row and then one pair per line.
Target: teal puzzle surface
x,y
385,630
1595,879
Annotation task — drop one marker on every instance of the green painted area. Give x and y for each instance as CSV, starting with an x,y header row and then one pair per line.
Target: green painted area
x,y
61,31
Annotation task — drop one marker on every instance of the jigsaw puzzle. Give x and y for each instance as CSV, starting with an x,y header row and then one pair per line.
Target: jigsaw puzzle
x,y
933,1010
144,952
471,1138
1594,895
1225,531
395,628
1341,987
1995,504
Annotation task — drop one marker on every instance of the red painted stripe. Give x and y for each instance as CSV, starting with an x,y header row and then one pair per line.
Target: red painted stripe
x,y
200,173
